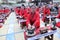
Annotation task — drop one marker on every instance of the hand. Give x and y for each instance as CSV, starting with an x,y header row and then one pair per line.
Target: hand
x,y
21,16
29,26
33,26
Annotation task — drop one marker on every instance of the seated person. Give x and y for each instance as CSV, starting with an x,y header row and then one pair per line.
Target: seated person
x,y
23,12
23,15
58,18
6,12
33,20
46,10
17,10
1,18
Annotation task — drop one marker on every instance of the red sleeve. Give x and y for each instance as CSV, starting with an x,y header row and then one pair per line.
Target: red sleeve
x,y
44,11
28,19
37,9
16,10
7,11
58,16
1,11
58,24
20,13
37,22
25,14
48,11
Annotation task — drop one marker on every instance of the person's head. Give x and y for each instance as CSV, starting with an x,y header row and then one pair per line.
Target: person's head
x,y
44,6
23,6
18,8
5,8
33,9
47,6
12,10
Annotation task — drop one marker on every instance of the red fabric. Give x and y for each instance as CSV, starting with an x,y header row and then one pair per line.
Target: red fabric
x,y
25,36
46,11
58,24
29,9
35,18
6,10
38,9
43,19
17,11
23,13
58,16
59,10
37,31
49,27
1,11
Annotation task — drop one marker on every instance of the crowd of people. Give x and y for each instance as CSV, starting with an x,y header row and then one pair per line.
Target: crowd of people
x,y
32,14
48,13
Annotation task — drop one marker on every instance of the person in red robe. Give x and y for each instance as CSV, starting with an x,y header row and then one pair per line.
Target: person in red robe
x,y
1,11
46,12
33,19
58,16
23,12
6,10
23,15
17,10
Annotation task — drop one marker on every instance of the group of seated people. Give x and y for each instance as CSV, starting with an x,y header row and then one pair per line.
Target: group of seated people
x,y
30,14
3,15
33,14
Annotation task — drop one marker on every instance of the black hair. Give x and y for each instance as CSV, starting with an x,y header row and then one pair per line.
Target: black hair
x,y
12,10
